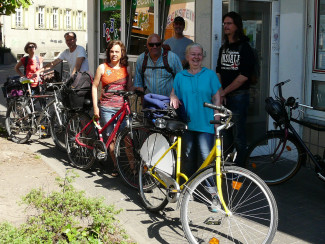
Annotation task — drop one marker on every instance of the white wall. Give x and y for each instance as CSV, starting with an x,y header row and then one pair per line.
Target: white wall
x,y
291,56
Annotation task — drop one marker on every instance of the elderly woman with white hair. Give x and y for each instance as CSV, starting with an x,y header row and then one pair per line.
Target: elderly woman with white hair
x,y
193,87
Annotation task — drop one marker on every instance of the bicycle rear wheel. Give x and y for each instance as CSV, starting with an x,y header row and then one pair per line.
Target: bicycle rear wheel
x,y
79,156
254,214
127,153
58,130
153,194
275,158
18,122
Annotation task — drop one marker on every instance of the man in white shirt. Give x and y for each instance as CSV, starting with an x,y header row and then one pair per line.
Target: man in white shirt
x,y
75,55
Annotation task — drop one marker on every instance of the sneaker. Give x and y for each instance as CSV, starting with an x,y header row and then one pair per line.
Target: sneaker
x,y
215,205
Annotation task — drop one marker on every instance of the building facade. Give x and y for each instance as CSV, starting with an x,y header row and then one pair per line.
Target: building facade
x,y
44,23
288,35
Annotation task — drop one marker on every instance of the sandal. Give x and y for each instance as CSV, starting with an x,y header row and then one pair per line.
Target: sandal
x,y
115,173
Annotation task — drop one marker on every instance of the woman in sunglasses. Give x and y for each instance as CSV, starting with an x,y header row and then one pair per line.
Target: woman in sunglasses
x,y
31,64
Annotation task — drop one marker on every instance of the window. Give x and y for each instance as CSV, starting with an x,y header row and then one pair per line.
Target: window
x,y
41,23
79,20
110,22
318,95
55,19
68,19
19,17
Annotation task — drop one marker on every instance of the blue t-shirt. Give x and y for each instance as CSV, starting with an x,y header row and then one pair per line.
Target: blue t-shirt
x,y
194,90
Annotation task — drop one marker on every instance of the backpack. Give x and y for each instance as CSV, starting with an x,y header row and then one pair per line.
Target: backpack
x,y
256,71
80,83
166,49
78,88
26,62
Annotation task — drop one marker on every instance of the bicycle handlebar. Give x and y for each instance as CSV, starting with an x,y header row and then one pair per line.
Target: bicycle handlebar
x,y
212,106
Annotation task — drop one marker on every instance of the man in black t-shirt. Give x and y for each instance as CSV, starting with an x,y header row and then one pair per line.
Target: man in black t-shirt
x,y
234,67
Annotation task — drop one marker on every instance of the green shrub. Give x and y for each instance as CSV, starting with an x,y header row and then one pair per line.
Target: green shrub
x,y
66,216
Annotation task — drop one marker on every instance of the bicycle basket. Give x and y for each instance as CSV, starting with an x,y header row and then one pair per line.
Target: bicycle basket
x,y
276,110
12,87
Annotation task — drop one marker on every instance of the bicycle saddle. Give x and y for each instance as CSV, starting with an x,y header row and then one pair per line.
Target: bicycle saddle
x,y
175,125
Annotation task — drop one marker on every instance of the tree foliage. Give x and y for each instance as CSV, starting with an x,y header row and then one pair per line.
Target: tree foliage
x,y
8,7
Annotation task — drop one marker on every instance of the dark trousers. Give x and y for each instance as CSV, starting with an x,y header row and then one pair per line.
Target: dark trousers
x,y
236,136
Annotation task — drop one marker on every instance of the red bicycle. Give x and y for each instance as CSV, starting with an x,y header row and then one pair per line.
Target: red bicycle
x,y
85,142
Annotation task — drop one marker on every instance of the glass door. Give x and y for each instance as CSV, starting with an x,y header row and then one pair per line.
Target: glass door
x,y
256,17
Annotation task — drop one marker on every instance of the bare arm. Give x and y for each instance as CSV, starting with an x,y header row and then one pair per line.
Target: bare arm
x,y
240,80
129,84
94,89
18,65
49,65
77,67
174,101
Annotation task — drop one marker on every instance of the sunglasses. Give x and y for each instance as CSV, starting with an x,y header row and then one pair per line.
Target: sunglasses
x,y
32,46
157,44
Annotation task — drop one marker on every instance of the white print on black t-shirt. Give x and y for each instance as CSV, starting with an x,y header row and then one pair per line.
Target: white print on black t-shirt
x,y
230,60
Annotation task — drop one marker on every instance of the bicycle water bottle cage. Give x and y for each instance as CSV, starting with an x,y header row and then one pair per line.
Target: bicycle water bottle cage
x,y
276,110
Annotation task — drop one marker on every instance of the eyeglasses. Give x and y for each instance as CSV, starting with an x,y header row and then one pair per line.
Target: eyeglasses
x,y
152,44
227,23
31,46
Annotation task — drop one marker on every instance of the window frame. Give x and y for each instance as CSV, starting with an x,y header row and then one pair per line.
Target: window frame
x,y
41,17
55,18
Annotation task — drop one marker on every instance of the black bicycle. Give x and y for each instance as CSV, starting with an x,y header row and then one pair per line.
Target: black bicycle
x,y
278,155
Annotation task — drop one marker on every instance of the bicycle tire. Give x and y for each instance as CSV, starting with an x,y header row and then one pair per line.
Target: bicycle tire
x,y
254,213
264,160
57,130
153,194
79,156
18,122
127,153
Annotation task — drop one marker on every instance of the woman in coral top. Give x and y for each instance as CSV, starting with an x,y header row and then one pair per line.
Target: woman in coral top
x,y
114,74
31,65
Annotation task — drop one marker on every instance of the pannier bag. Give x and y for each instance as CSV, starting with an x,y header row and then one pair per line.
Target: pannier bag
x,y
12,87
78,88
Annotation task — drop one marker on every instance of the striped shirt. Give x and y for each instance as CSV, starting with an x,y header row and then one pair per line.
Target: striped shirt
x,y
157,81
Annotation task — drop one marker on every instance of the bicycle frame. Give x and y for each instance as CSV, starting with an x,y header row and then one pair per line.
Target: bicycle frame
x,y
215,153
288,127
124,110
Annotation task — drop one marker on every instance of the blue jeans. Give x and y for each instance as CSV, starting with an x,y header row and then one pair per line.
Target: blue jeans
x,y
236,135
105,115
196,147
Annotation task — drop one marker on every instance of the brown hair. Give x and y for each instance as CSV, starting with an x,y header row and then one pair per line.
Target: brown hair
x,y
124,57
29,43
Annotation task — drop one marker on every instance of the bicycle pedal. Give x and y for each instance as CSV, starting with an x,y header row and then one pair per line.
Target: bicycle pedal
x,y
101,156
212,221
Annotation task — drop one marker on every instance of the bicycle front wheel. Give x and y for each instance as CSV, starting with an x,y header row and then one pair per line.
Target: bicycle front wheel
x,y
127,153
18,122
275,158
80,156
153,194
254,214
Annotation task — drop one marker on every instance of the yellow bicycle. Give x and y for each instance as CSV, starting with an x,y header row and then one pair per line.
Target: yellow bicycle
x,y
220,203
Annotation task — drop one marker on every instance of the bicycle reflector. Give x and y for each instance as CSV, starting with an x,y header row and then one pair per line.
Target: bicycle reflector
x,y
214,241
236,185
